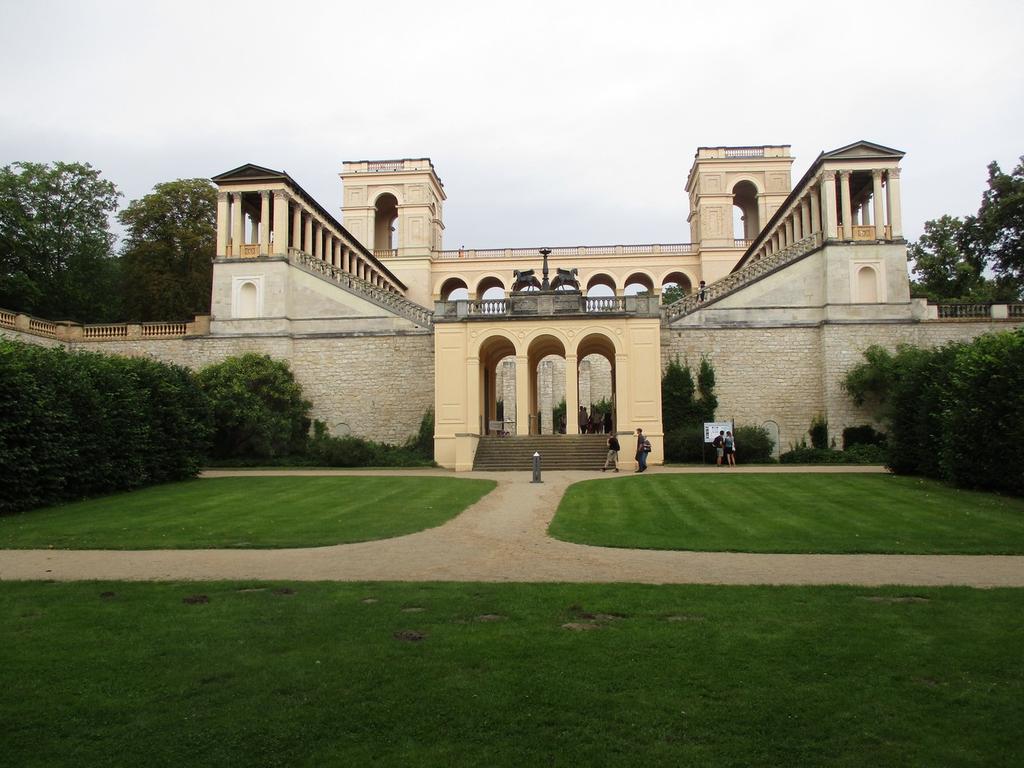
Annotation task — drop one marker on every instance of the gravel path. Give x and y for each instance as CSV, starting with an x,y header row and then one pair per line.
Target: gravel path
x,y
502,538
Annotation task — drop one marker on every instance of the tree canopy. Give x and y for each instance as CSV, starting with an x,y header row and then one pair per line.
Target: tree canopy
x,y
56,249
167,258
953,255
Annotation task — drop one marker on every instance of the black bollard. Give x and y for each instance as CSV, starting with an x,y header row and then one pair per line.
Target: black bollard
x,y
536,468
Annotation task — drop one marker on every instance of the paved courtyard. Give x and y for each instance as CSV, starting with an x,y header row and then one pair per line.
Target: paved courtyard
x,y
503,538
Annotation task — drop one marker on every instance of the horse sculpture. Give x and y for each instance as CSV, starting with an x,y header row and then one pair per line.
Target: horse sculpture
x,y
566,279
525,280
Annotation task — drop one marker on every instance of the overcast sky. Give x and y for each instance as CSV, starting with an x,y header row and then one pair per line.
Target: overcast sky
x,y
550,123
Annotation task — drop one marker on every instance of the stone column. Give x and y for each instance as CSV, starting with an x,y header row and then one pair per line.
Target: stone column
x,y
522,395
844,191
805,217
223,223
876,180
544,396
297,227
346,259
798,224
318,240
815,210
237,224
309,233
830,221
508,390
895,213
265,223
280,222
476,420
572,396
329,248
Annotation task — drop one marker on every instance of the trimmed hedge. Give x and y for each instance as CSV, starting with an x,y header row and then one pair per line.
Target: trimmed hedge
x,y
955,412
77,424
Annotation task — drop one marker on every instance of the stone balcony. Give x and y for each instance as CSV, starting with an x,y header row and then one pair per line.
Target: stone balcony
x,y
535,304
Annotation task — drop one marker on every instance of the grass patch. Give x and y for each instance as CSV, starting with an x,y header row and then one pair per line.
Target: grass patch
x,y
253,512
303,674
798,513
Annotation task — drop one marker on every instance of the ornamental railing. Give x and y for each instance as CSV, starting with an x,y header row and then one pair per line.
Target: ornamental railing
x,y
964,310
578,250
752,271
382,297
541,303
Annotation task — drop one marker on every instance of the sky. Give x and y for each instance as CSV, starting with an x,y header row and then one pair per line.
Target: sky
x,y
550,123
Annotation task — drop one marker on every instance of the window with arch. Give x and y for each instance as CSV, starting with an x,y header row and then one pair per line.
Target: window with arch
x,y
746,218
867,284
385,223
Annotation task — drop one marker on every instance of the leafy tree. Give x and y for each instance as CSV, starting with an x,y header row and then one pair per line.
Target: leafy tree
x,y
677,388
169,249
998,230
945,265
706,387
55,243
672,293
258,408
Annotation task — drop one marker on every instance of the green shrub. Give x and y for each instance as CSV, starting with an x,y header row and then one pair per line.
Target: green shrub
x,y
685,445
819,432
258,408
74,425
859,454
753,445
864,434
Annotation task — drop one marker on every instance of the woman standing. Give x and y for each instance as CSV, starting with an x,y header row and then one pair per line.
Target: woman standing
x,y
730,449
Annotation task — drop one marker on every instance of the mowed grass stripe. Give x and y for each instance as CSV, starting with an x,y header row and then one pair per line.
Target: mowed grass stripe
x,y
267,674
790,513
257,512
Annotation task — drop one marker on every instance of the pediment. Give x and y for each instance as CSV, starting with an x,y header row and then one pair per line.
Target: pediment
x,y
860,150
249,172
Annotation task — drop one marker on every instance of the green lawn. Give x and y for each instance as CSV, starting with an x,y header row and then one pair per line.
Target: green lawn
x,y
790,513
303,674
251,512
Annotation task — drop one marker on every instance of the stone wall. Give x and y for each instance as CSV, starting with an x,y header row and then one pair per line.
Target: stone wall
x,y
376,386
790,374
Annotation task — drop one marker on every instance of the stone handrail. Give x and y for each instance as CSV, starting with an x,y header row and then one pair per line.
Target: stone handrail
x,y
753,270
382,297
548,303
66,330
573,251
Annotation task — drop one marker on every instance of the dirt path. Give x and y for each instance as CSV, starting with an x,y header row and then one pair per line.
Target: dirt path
x,y
502,538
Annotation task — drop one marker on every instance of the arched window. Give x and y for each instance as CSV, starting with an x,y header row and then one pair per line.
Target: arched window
x,y
867,284
746,220
248,300
454,289
385,223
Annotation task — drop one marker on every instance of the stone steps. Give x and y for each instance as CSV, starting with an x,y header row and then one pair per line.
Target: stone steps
x,y
584,452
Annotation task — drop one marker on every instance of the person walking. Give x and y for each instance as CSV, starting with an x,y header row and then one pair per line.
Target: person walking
x,y
613,454
730,449
643,447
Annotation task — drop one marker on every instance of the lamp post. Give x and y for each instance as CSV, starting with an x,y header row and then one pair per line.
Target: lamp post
x,y
545,285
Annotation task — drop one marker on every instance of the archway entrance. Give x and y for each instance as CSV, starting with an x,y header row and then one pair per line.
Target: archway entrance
x,y
497,385
595,354
546,358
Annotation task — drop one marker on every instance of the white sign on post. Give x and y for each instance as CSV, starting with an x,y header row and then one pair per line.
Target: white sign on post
x,y
712,428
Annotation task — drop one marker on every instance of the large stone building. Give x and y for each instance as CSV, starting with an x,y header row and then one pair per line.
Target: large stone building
x,y
784,286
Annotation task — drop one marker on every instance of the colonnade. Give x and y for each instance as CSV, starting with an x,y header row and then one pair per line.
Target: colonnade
x,y
831,204
280,222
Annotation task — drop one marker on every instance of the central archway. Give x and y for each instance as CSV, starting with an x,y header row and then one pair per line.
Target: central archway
x,y
545,357
595,355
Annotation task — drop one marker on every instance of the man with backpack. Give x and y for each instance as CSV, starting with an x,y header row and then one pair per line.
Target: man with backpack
x,y
643,447
719,443
613,454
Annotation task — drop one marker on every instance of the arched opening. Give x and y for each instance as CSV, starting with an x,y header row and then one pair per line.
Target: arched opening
x,y
248,300
385,223
490,288
746,220
600,285
497,386
638,283
454,289
675,286
596,376
546,357
867,285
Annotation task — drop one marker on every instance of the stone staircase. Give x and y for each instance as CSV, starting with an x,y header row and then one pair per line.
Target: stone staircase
x,y
585,452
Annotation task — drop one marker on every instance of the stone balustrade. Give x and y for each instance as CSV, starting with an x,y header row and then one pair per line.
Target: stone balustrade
x,y
381,296
66,330
545,304
573,251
